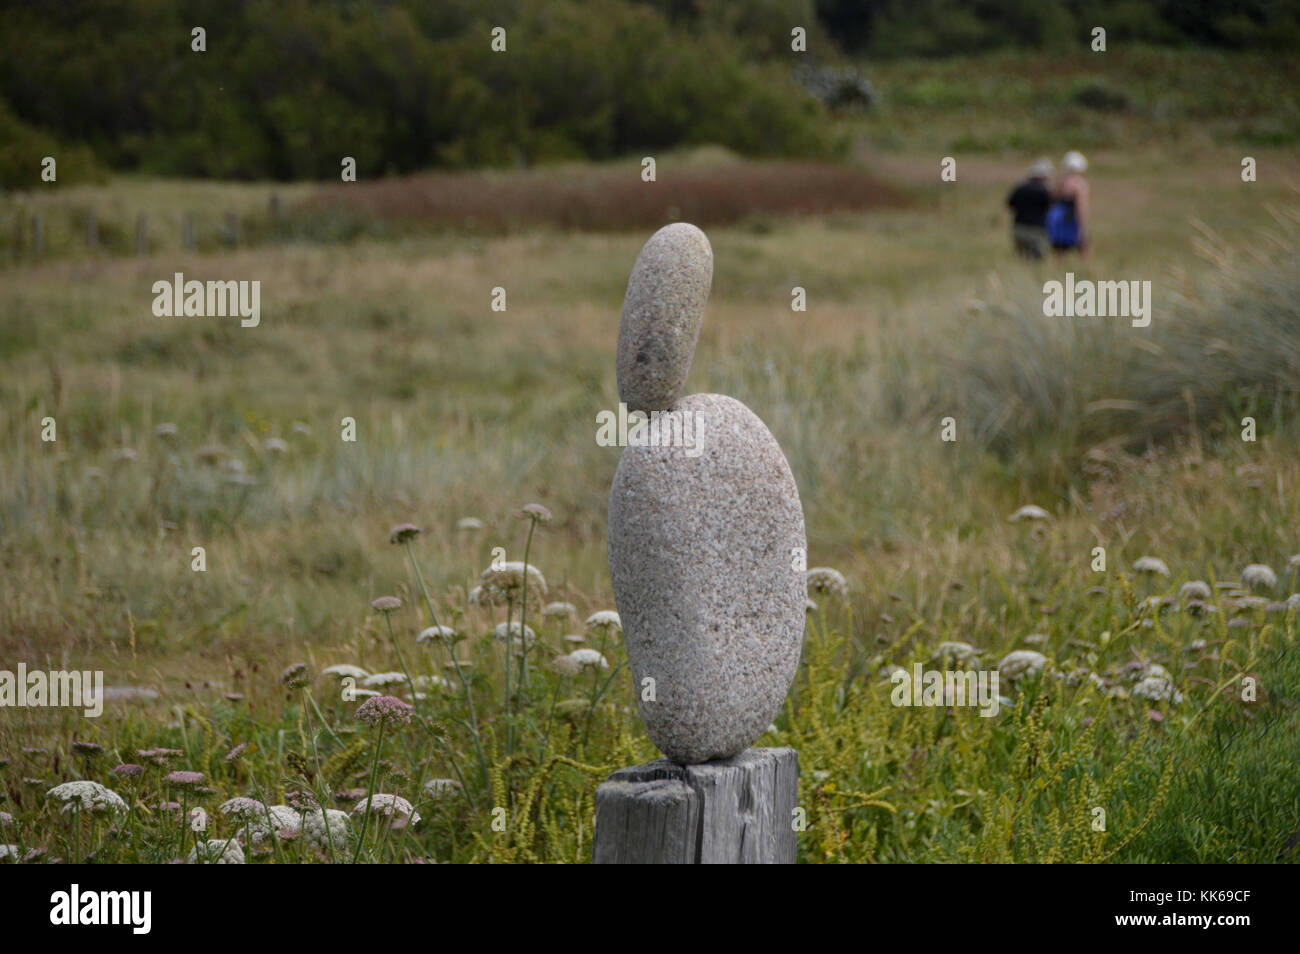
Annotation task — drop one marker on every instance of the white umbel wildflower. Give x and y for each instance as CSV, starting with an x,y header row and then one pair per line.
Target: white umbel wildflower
x,y
1021,663
559,611
380,679
1030,512
432,682
469,523
499,633
566,665
1150,564
604,621
436,634
218,851
1248,602
88,796
320,828
1154,671
390,805
345,671
243,807
508,579
275,819
827,581
1194,590
1156,689
1258,576
440,787
586,658
958,651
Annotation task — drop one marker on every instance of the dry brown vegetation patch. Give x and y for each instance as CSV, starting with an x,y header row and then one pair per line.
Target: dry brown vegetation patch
x,y
611,198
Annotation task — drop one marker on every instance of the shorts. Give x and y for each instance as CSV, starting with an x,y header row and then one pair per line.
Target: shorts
x,y
1030,240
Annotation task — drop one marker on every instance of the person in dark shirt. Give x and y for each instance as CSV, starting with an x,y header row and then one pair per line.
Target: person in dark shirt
x,y
1029,202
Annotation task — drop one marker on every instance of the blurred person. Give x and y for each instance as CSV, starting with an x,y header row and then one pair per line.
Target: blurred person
x,y
1068,217
1029,202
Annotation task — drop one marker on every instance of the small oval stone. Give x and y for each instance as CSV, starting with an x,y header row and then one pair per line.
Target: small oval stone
x,y
662,311
702,562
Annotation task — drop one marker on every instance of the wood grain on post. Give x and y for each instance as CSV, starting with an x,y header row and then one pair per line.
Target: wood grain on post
x,y
732,811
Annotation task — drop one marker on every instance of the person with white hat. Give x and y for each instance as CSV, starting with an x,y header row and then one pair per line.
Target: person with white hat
x,y
1029,202
1068,218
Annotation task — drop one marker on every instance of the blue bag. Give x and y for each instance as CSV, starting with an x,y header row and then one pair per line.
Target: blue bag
x,y
1062,226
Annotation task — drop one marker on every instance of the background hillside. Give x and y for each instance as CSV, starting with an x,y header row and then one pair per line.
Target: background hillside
x,y
286,88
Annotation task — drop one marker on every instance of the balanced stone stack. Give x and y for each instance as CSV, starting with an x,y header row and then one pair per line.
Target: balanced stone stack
x,y
705,541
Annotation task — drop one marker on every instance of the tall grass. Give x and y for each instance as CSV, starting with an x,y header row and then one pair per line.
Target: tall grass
x,y
1222,344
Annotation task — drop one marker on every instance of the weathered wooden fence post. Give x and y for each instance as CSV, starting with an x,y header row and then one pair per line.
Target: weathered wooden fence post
x,y
232,228
711,596
187,230
38,235
739,810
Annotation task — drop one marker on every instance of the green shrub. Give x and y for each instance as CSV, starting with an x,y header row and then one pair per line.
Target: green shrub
x,y
1102,97
286,90
22,149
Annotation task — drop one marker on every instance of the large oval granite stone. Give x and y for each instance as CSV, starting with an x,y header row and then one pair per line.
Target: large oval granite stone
x,y
702,561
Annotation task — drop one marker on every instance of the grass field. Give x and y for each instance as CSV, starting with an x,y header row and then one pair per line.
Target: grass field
x,y
1130,438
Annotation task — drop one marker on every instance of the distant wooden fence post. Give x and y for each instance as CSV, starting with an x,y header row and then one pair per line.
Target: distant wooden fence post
x,y
38,235
739,810
232,228
187,229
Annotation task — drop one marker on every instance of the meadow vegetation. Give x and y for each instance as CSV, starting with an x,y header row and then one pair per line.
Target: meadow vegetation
x,y
176,433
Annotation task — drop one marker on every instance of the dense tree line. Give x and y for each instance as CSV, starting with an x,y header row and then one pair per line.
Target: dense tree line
x,y
285,88
945,27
